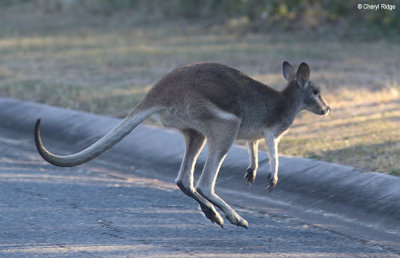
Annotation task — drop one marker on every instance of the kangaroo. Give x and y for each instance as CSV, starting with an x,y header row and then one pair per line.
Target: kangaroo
x,y
215,103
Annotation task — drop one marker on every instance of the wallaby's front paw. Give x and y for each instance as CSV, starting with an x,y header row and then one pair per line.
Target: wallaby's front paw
x,y
250,175
272,182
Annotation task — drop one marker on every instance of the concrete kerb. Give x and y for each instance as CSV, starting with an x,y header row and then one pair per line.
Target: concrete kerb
x,y
313,183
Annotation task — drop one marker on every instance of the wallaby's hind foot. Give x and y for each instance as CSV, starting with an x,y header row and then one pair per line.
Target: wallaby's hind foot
x,y
250,176
235,219
230,213
207,208
212,215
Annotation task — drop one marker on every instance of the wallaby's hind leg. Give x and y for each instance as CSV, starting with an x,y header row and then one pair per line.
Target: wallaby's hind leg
x,y
251,171
219,142
194,144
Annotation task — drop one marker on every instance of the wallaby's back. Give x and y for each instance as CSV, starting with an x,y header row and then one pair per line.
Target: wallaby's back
x,y
223,86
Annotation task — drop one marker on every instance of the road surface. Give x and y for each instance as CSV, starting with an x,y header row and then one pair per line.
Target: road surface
x,y
103,209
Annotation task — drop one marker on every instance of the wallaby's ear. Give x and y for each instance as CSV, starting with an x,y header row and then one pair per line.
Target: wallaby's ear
x,y
303,74
288,71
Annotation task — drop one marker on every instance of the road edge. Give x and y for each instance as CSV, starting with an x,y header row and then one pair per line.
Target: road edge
x,y
311,182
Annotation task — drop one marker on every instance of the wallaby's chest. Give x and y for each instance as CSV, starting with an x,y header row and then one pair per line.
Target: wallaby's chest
x,y
256,121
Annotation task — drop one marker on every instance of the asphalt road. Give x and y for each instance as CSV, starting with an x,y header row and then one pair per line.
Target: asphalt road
x,y
103,209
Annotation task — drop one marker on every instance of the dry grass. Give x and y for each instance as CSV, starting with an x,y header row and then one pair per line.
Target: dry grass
x,y
105,65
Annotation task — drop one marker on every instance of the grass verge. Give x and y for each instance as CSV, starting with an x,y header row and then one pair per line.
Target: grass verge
x,y
105,65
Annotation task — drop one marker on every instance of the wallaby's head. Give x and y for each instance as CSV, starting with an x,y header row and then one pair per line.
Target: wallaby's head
x,y
309,93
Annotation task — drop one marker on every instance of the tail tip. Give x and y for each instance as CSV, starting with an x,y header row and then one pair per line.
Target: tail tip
x,y
37,125
37,122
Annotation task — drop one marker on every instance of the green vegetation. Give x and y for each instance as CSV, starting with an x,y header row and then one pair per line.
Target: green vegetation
x,y
103,59
266,15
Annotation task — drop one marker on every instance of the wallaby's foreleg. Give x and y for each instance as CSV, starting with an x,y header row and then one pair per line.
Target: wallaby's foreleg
x,y
251,171
272,144
218,146
194,144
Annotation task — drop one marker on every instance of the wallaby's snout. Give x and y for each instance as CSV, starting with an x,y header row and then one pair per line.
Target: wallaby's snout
x,y
315,103
310,93
326,111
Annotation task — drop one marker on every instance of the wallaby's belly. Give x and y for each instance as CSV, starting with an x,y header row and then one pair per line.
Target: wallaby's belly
x,y
176,118
250,133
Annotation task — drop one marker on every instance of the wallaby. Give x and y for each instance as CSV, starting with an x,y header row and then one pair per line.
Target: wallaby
x,y
215,103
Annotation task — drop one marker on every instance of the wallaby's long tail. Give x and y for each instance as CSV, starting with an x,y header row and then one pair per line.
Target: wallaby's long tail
x,y
137,116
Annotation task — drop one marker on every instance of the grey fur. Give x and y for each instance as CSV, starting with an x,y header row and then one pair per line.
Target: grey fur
x,y
215,103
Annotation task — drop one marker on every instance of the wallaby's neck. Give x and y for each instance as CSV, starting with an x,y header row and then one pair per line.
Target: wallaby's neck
x,y
294,100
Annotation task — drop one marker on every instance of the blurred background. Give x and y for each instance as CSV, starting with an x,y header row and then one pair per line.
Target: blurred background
x,y
102,56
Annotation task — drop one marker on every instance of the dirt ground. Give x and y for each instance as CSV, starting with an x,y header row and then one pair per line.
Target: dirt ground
x,y
106,63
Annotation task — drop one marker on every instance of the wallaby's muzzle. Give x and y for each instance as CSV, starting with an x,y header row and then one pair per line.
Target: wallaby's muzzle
x,y
326,111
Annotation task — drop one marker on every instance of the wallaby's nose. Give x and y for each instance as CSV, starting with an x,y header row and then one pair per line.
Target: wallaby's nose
x,y
327,110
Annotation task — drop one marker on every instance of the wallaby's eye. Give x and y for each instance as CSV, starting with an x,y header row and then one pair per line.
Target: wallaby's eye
x,y
315,92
